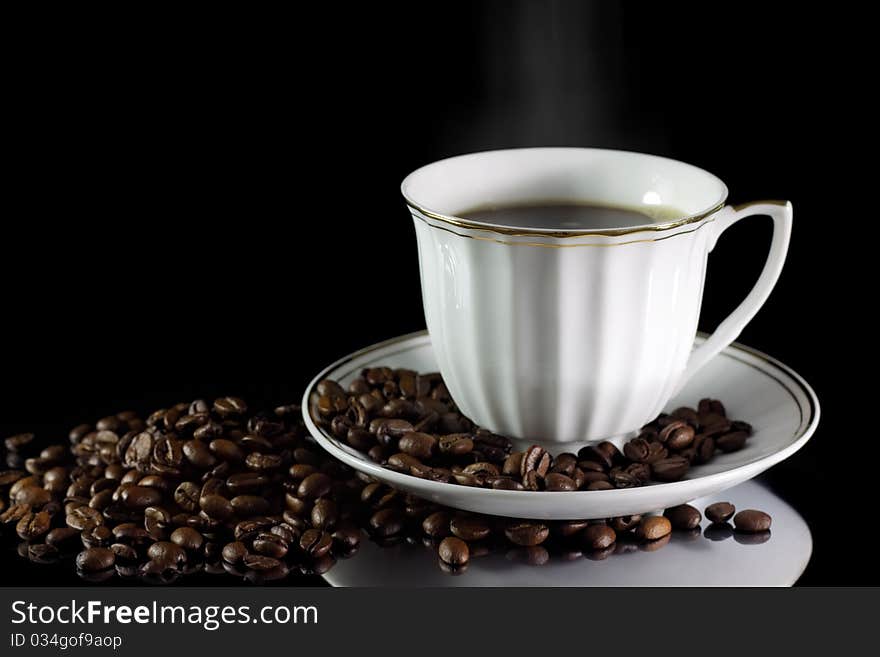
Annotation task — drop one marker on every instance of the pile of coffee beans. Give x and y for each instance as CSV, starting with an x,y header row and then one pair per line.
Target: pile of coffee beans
x,y
214,487
408,423
205,485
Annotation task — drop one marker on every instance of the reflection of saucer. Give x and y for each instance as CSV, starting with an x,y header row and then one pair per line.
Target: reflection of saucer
x,y
774,399
685,561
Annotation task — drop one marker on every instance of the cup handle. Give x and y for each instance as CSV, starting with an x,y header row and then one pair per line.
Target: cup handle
x,y
730,328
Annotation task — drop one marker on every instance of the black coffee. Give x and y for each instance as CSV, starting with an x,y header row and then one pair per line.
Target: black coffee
x,y
569,215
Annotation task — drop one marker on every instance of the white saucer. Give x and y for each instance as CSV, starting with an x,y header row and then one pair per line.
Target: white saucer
x,y
684,561
779,404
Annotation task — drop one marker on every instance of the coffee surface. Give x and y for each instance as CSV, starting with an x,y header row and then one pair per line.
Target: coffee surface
x,y
569,215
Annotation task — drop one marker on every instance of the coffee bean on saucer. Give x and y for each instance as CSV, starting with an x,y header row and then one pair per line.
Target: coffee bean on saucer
x,y
752,521
454,551
720,511
683,516
670,469
731,442
537,460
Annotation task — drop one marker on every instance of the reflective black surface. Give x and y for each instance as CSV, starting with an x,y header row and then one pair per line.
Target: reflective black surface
x,y
225,208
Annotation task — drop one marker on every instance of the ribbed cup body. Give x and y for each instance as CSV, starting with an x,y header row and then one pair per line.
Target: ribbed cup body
x,y
560,342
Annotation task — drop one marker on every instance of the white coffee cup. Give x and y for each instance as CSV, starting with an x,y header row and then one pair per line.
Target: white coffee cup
x,y
573,335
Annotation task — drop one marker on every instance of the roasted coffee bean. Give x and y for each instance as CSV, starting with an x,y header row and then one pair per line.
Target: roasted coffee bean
x,y
653,527
62,537
270,545
403,462
565,464
470,528
419,445
622,524
95,559
187,496
226,450
262,462
731,442
751,521
683,516
720,511
33,525
454,551
505,483
130,533
97,536
187,538
670,469
216,507
198,453
713,406
598,537
14,513
592,454
436,525
84,517
259,562
167,553
637,449
324,514
286,531
124,552
32,495
138,452
19,442
246,482
314,486
234,552
526,533
250,505
347,535
316,543
536,459
456,444
513,464
555,481
227,407
386,522
140,497
600,485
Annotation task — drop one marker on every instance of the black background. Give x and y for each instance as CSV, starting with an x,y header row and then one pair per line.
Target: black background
x,y
210,204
